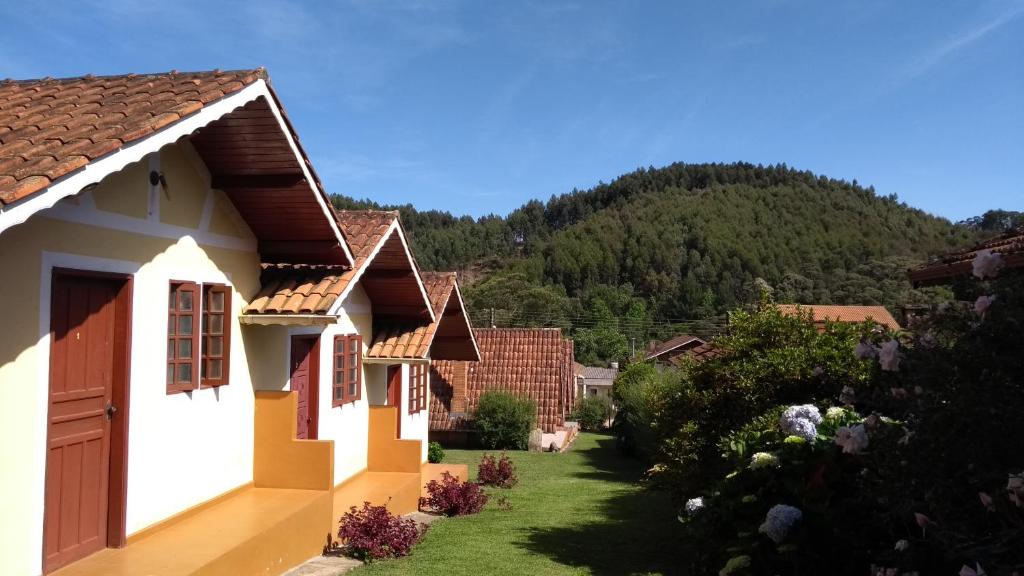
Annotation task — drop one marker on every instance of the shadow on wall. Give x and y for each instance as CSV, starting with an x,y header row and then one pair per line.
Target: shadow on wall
x,y
639,533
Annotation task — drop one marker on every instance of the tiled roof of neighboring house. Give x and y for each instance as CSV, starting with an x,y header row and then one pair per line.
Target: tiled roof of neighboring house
x,y
442,392
304,289
395,339
672,344
439,286
848,314
597,373
705,351
50,128
363,229
1010,245
535,363
298,289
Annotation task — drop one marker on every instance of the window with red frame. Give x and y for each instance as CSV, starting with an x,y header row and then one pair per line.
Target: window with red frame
x,y
183,337
198,336
216,335
418,374
348,369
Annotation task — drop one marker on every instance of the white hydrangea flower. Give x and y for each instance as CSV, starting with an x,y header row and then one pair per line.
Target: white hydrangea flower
x,y
780,521
986,264
853,439
763,460
982,304
805,411
694,505
902,545
889,356
864,350
834,412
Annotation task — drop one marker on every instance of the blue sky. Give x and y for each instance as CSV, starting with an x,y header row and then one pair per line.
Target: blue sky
x,y
476,107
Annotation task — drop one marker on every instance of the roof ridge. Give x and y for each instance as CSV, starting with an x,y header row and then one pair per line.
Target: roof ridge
x,y
260,71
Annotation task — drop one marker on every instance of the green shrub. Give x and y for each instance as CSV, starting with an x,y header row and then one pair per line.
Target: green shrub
x,y
504,420
591,412
435,453
635,392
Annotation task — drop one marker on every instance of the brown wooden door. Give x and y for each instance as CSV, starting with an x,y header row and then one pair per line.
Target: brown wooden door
x,y
395,395
82,353
304,381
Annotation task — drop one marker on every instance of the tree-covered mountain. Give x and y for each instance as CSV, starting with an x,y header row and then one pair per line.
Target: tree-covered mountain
x,y
659,251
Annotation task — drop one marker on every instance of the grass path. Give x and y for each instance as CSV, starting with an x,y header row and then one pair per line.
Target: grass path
x,y
581,512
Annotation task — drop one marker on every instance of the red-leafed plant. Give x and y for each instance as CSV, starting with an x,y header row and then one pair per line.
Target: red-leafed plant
x,y
452,497
500,472
374,533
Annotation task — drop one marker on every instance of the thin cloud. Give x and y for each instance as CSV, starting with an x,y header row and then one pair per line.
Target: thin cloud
x,y
937,55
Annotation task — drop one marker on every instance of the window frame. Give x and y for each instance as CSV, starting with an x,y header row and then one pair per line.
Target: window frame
x,y
418,374
346,356
225,356
176,287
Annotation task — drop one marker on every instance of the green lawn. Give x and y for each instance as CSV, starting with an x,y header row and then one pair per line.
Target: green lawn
x,y
581,512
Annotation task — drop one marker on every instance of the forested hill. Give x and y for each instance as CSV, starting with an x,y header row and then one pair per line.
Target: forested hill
x,y
657,249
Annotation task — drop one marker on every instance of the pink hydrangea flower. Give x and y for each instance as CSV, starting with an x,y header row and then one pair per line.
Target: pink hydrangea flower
x,y
986,264
982,304
889,356
986,501
853,439
864,350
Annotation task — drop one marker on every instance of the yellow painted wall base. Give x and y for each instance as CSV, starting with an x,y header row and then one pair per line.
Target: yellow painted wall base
x,y
385,453
436,472
398,491
258,531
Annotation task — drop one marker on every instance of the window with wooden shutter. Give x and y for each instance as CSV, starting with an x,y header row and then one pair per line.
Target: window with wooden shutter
x,y
348,369
418,387
183,337
424,378
216,333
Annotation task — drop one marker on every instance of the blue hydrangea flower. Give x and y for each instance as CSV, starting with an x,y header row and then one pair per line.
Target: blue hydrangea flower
x,y
780,521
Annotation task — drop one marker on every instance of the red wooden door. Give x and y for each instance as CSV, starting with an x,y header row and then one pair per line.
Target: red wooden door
x,y
78,425
395,395
304,381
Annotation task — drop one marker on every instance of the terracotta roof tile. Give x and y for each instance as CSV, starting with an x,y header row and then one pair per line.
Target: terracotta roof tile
x,y
395,339
1010,245
312,289
705,351
848,314
48,118
534,363
672,344
298,289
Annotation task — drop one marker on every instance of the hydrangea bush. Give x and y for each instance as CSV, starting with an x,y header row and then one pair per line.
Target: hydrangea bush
x,y
855,451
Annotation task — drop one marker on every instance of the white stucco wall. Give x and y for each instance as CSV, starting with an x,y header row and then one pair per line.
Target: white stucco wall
x,y
183,449
414,426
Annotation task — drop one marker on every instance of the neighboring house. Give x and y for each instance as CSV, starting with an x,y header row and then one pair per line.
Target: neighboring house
x,y
665,352
595,381
698,354
534,363
822,313
194,371
959,264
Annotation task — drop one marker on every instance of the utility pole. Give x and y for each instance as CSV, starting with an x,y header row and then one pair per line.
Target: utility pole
x,y
492,318
632,346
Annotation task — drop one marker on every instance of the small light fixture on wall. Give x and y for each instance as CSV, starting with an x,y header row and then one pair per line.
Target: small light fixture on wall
x,y
157,178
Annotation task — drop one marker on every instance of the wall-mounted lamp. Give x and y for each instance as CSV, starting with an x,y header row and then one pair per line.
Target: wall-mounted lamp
x,y
157,178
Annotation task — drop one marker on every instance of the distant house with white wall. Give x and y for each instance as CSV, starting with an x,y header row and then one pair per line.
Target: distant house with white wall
x,y
595,380
190,375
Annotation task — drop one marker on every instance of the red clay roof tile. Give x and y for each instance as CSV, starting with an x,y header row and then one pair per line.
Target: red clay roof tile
x,y
49,118
533,363
849,314
1010,245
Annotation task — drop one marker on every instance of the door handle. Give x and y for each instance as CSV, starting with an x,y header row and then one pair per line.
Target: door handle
x,y
110,411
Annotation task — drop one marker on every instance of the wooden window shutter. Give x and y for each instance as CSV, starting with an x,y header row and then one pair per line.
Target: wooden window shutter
x,y
216,333
183,336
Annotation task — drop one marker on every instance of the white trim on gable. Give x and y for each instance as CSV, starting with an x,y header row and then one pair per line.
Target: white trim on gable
x,y
335,308
94,172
